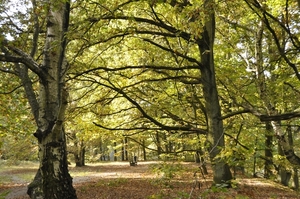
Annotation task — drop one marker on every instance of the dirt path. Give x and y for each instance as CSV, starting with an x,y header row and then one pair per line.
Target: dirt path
x,y
118,180
17,186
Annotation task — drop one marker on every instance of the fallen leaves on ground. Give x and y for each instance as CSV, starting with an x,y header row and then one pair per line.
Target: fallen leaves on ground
x,y
118,180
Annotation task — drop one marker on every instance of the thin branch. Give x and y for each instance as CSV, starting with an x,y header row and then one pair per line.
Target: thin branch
x,y
155,67
235,113
159,24
237,141
11,91
172,51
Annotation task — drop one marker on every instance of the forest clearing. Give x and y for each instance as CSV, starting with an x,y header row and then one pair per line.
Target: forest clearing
x,y
118,180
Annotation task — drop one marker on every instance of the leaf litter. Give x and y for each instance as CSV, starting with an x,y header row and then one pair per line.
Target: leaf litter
x,y
119,180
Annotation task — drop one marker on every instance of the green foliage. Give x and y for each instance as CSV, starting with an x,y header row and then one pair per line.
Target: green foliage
x,y
4,194
166,171
116,182
160,195
220,188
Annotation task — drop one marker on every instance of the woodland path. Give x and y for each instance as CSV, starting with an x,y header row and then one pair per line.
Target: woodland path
x,y
17,186
118,180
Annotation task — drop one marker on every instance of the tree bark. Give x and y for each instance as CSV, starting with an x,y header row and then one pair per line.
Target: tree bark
x,y
268,151
53,179
79,153
285,175
287,149
215,134
296,178
144,150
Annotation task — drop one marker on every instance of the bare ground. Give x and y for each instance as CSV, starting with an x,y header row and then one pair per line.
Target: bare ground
x,y
118,180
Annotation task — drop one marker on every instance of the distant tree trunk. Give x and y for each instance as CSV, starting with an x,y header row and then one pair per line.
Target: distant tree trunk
x,y
82,156
215,135
79,154
284,144
144,151
124,150
296,179
115,151
268,151
285,174
123,153
158,143
199,159
254,159
295,169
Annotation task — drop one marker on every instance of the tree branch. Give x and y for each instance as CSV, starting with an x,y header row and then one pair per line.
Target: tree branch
x,y
235,113
23,58
285,116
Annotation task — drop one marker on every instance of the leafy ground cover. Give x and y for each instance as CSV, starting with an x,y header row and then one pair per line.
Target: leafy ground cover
x,y
149,180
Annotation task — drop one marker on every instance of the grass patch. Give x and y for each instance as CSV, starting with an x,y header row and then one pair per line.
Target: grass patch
x,y
5,180
20,173
4,194
26,177
20,165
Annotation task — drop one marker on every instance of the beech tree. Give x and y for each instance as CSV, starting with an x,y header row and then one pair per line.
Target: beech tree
x,y
264,51
286,42
150,47
49,101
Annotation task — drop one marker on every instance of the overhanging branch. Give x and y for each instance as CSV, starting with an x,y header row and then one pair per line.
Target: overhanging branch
x,y
285,116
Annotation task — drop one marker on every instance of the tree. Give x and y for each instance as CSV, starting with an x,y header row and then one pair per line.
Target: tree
x,y
279,27
157,58
265,67
52,179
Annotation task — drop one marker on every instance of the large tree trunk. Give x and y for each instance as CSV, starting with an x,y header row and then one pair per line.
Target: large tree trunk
x,y
53,179
215,135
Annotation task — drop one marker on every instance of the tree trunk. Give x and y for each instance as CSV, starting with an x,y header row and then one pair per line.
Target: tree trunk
x,y
296,179
82,156
215,134
268,151
144,150
158,143
124,150
285,175
199,159
254,159
115,152
79,154
52,179
284,144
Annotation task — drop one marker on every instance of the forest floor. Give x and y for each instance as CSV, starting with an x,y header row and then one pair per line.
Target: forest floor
x,y
118,180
